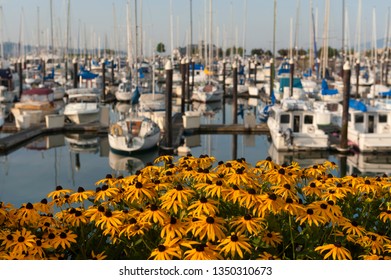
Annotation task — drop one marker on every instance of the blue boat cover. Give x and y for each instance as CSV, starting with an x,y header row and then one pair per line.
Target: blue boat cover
x,y
284,82
358,105
325,89
385,94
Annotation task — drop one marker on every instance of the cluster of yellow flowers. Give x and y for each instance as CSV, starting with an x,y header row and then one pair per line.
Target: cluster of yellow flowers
x,y
199,209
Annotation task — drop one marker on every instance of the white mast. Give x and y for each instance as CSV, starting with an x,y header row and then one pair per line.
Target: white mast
x,y
244,29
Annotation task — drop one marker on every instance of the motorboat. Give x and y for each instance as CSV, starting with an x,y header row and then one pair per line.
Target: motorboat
x,y
293,126
133,133
82,107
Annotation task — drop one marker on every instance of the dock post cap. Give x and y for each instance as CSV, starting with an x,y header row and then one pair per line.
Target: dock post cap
x,y
102,60
168,65
346,65
74,60
291,61
187,60
357,61
235,64
183,60
271,60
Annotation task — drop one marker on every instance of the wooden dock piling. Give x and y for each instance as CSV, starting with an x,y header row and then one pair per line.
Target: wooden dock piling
x,y
235,92
345,107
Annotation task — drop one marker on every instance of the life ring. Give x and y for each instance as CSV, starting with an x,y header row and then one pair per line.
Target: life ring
x,y
310,129
116,130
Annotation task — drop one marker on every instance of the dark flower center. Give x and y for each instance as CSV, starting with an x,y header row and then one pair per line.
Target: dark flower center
x,y
173,220
239,171
289,200
210,220
354,223
179,188
287,186
269,234
367,182
268,159
251,191
161,248
105,187
58,188
132,221
313,185
228,164
272,196
337,244
330,202
29,206
109,176
78,213
310,211
200,248
235,187
281,171
21,239
44,201
247,217
234,238
219,183
154,207
63,235
108,213
39,243
203,200
323,206
139,185
51,235
80,189
101,208
10,237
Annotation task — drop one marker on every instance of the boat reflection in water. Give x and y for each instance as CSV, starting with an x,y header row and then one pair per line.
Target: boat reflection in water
x,y
369,164
82,143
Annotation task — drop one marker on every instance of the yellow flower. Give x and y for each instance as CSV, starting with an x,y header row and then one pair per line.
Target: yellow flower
x,y
80,195
336,251
59,192
209,227
235,245
22,241
201,251
203,206
64,239
167,251
247,223
272,238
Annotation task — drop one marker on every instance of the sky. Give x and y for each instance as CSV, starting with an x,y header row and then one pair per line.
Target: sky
x,y
248,23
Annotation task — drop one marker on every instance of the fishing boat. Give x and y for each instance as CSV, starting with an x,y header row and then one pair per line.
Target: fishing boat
x,y
82,107
127,91
133,133
293,126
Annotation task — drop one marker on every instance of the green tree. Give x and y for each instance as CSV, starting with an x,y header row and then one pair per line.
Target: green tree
x,y
258,52
160,48
283,52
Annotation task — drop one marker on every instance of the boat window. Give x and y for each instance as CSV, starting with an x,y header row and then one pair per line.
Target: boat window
x,y
308,119
359,118
382,118
284,118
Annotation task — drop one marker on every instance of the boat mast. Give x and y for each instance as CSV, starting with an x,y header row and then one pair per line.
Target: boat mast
x,y
1,37
135,12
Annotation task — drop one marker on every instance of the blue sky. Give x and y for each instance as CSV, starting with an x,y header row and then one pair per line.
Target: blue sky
x,y
100,21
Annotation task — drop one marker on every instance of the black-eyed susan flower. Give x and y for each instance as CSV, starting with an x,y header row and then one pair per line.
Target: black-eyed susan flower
x,y
140,192
80,195
58,192
202,251
292,207
134,228
309,216
27,214
203,175
95,213
154,214
272,238
7,239
203,206
353,228
105,192
109,180
205,161
167,159
268,202
44,206
73,216
40,248
286,190
265,164
235,245
210,227
64,239
314,188
248,223
23,241
249,198
167,251
180,193
233,194
240,177
111,220
336,251
216,188
173,228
